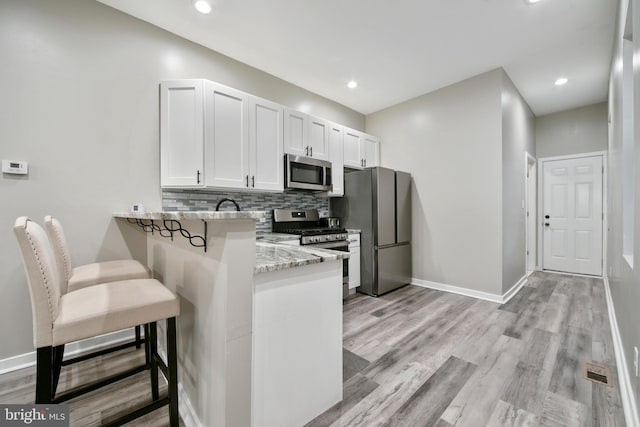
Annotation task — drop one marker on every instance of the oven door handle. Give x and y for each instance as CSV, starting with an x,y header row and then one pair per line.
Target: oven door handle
x,y
330,245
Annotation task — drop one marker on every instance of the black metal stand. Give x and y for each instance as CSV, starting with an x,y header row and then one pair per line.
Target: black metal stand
x,y
171,226
49,362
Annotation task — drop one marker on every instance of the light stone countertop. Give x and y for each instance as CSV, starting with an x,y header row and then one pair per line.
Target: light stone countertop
x,y
271,237
354,230
192,215
273,256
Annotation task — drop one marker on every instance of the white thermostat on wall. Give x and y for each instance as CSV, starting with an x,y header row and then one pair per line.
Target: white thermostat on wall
x,y
17,167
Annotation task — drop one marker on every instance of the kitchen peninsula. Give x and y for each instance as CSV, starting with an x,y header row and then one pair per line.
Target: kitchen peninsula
x,y
260,322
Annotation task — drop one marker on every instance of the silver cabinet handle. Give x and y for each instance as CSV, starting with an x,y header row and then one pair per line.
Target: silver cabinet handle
x,y
311,151
306,150
253,181
198,176
246,180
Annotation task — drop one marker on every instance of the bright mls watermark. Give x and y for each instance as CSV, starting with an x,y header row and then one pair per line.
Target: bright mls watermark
x,y
34,415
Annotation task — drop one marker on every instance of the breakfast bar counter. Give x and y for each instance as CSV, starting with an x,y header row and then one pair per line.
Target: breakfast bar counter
x,y
251,313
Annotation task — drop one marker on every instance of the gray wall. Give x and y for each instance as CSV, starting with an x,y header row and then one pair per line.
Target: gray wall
x,y
624,280
518,138
581,130
450,142
80,103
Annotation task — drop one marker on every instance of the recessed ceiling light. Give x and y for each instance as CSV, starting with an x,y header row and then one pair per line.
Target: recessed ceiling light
x,y
352,84
532,1
561,81
202,6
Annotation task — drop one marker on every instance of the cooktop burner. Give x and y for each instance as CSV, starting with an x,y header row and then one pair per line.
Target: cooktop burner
x,y
312,231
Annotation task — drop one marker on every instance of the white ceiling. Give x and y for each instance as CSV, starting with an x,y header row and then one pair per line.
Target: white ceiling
x,y
398,50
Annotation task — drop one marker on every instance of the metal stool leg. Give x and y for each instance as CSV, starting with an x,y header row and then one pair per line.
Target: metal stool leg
x,y
138,338
172,380
153,338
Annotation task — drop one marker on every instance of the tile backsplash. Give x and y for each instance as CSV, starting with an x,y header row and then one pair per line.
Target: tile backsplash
x,y
204,200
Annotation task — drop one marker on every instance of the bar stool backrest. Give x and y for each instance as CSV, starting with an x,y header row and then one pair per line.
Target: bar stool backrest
x,y
61,253
44,282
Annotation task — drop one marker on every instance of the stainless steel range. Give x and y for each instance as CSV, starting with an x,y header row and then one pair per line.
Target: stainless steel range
x,y
313,232
308,225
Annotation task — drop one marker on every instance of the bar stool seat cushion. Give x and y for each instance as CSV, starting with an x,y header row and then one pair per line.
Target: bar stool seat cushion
x,y
105,308
104,272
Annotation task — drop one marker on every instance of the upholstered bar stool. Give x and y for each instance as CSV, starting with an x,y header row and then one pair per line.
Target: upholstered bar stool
x,y
61,317
74,278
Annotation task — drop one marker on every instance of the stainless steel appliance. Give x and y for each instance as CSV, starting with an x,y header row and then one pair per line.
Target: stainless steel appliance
x,y
308,225
330,222
378,202
305,173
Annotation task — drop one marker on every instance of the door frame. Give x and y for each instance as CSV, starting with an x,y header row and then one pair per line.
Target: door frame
x,y
605,199
529,237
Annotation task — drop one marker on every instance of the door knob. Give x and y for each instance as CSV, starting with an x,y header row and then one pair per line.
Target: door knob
x,y
546,216
546,224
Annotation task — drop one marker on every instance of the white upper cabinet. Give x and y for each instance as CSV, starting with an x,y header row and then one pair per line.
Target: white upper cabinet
x,y
360,150
371,151
318,131
336,149
182,133
215,136
352,144
305,135
266,157
295,138
226,137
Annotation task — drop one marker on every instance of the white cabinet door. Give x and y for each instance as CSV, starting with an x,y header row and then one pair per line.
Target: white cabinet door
x,y
572,211
305,135
295,133
226,137
352,156
266,145
181,133
354,261
335,157
318,138
370,150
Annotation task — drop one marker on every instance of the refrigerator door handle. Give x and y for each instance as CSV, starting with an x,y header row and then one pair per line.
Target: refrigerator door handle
x,y
392,245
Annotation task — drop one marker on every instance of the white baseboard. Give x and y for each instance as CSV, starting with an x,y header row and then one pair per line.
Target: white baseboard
x,y
626,392
457,290
500,299
26,360
515,288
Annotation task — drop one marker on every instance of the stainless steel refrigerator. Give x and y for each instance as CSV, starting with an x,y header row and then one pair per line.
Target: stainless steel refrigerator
x,y
378,202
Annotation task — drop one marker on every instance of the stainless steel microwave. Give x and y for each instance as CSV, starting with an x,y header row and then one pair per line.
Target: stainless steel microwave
x,y
306,173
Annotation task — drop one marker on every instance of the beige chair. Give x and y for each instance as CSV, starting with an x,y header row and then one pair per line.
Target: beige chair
x,y
61,317
74,278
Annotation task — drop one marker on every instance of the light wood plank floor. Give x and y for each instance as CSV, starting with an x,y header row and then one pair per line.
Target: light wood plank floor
x,y
420,357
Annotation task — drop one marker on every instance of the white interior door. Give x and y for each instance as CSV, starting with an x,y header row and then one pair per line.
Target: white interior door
x,y
572,215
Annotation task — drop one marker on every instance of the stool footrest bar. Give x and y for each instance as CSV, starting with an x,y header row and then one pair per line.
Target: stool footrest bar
x,y
84,357
98,384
